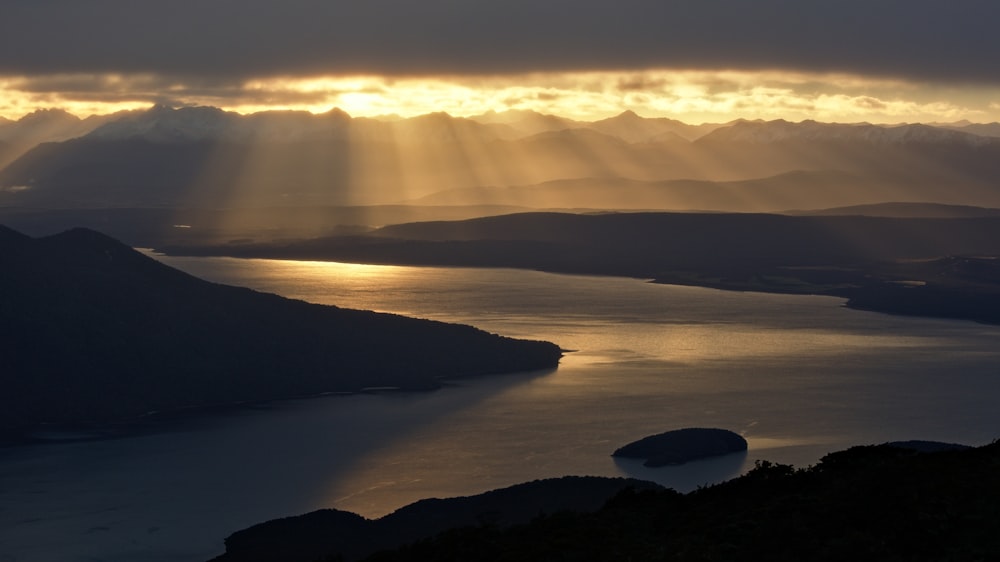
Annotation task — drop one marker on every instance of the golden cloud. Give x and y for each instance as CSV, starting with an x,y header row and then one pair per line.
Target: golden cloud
x,y
693,96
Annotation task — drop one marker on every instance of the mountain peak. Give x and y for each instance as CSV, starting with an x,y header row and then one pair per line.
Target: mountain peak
x,y
162,123
632,127
509,116
337,113
48,115
90,248
83,239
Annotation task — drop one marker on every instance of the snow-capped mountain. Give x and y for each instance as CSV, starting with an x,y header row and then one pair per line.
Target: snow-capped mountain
x,y
166,124
765,132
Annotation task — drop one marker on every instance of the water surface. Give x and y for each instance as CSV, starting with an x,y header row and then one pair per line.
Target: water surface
x,y
798,376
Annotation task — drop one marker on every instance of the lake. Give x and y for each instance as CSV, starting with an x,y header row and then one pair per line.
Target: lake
x,y
798,376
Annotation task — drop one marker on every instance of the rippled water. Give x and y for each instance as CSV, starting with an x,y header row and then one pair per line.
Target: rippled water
x,y
798,376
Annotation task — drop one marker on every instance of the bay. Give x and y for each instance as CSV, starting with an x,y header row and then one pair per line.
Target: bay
x,y
798,376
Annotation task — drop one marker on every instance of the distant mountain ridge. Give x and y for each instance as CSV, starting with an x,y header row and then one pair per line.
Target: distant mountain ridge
x,y
46,125
168,123
794,189
781,130
984,129
204,157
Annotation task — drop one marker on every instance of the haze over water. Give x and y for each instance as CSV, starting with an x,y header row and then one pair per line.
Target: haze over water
x,y
798,376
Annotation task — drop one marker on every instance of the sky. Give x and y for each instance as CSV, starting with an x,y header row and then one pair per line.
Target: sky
x,y
695,60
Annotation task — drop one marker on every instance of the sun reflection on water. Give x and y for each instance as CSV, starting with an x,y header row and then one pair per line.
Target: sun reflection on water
x,y
798,376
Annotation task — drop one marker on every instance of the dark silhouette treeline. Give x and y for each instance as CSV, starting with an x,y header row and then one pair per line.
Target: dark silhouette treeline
x,y
896,265
93,331
886,502
320,533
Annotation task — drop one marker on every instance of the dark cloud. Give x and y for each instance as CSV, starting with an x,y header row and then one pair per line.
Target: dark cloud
x,y
110,84
151,89
640,83
868,102
916,39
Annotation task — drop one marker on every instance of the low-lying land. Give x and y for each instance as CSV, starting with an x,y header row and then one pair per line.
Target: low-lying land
x,y
940,267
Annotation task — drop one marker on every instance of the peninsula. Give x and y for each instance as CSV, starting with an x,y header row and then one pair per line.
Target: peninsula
x,y
95,332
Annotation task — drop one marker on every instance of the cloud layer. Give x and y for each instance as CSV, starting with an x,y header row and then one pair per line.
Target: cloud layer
x,y
692,96
917,40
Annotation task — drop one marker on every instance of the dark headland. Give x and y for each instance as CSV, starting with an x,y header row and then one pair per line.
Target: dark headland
x,y
92,331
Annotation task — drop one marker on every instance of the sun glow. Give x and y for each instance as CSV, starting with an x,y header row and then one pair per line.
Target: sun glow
x,y
691,96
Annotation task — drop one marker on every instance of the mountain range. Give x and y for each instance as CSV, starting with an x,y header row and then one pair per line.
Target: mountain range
x,y
203,157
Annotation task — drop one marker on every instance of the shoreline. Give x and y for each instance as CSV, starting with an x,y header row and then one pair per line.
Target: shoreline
x,y
181,419
870,287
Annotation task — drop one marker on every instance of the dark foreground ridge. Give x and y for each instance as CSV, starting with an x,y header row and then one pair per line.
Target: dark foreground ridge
x,y
318,534
939,267
683,445
92,331
886,502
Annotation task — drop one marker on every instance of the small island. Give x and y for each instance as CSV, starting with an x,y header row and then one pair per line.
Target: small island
x,y
683,445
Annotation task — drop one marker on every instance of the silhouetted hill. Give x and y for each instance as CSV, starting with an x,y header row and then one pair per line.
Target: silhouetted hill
x,y
311,536
905,210
912,162
93,331
866,503
651,241
983,129
771,194
11,240
46,125
152,226
99,172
